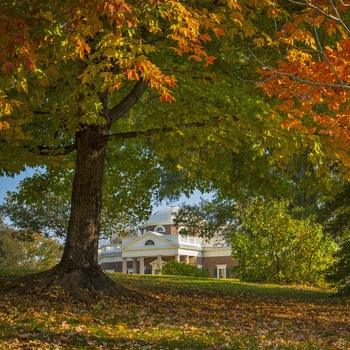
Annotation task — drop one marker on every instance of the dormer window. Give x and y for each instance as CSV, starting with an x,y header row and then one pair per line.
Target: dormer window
x,y
149,242
159,229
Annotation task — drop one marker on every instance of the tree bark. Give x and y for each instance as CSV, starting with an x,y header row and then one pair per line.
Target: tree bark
x,y
81,245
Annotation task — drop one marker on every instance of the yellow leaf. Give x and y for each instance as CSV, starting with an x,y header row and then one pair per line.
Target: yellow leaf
x,y
237,17
259,42
7,109
4,125
179,167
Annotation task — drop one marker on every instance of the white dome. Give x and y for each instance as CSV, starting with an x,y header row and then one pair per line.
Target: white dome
x,y
163,216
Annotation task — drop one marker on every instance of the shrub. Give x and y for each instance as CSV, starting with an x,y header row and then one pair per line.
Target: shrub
x,y
182,269
272,246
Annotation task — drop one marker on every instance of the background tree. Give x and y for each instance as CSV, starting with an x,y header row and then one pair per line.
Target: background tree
x,y
334,216
41,253
41,203
311,77
207,219
272,246
37,253
11,251
311,80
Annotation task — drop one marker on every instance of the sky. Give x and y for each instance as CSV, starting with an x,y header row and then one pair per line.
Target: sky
x,y
10,184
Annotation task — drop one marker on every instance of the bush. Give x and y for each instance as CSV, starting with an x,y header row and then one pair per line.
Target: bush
x,y
274,247
175,268
339,273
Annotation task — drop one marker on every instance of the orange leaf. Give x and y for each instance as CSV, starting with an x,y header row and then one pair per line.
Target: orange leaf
x,y
210,59
7,67
195,57
178,51
111,8
132,75
167,97
205,37
4,126
218,31
125,8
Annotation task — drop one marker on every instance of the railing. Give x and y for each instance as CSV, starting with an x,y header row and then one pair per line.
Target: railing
x,y
191,240
108,249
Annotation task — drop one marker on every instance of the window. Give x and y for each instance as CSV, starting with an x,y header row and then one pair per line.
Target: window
x,y
149,242
159,229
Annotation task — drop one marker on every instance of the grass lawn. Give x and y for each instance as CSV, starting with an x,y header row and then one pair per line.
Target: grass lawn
x,y
180,313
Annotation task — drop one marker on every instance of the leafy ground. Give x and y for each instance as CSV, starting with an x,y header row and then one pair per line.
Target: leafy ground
x,y
180,313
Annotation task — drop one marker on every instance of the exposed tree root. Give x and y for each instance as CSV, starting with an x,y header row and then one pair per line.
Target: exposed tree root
x,y
83,285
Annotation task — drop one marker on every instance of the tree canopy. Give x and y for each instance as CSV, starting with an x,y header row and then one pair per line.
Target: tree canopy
x,y
311,77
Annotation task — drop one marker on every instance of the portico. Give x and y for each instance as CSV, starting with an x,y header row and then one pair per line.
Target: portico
x,y
160,242
154,249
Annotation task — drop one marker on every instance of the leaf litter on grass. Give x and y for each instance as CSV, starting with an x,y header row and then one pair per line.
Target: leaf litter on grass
x,y
176,318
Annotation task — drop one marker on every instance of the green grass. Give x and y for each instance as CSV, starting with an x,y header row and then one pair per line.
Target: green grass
x,y
179,313
224,286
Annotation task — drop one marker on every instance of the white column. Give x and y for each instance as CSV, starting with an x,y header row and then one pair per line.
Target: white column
x,y
177,257
124,266
159,262
134,265
187,259
142,265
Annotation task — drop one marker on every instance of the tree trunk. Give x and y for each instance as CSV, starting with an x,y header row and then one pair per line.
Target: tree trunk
x,y
84,224
78,272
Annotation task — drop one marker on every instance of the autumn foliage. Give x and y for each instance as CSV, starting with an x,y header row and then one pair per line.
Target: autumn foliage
x,y
311,78
106,33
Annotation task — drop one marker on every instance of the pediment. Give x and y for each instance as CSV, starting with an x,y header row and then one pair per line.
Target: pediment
x,y
149,240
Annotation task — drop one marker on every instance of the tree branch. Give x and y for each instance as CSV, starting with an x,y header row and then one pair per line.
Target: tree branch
x,y
336,18
135,133
300,80
128,102
307,4
49,151
326,57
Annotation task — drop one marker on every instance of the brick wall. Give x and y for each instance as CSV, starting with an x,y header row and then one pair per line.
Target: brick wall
x,y
211,262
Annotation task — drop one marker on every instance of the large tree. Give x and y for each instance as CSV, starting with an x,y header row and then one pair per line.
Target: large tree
x,y
81,84
71,73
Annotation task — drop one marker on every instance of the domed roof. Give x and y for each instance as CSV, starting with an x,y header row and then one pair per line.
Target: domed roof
x,y
163,216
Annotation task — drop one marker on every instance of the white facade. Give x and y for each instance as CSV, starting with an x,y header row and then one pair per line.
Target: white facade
x,y
149,251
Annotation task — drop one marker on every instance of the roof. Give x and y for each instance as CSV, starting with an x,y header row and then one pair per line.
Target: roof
x,y
163,216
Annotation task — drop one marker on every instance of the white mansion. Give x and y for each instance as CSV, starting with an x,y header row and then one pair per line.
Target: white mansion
x,y
160,242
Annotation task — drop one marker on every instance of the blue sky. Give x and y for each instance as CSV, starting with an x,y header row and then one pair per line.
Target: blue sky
x,y
10,184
